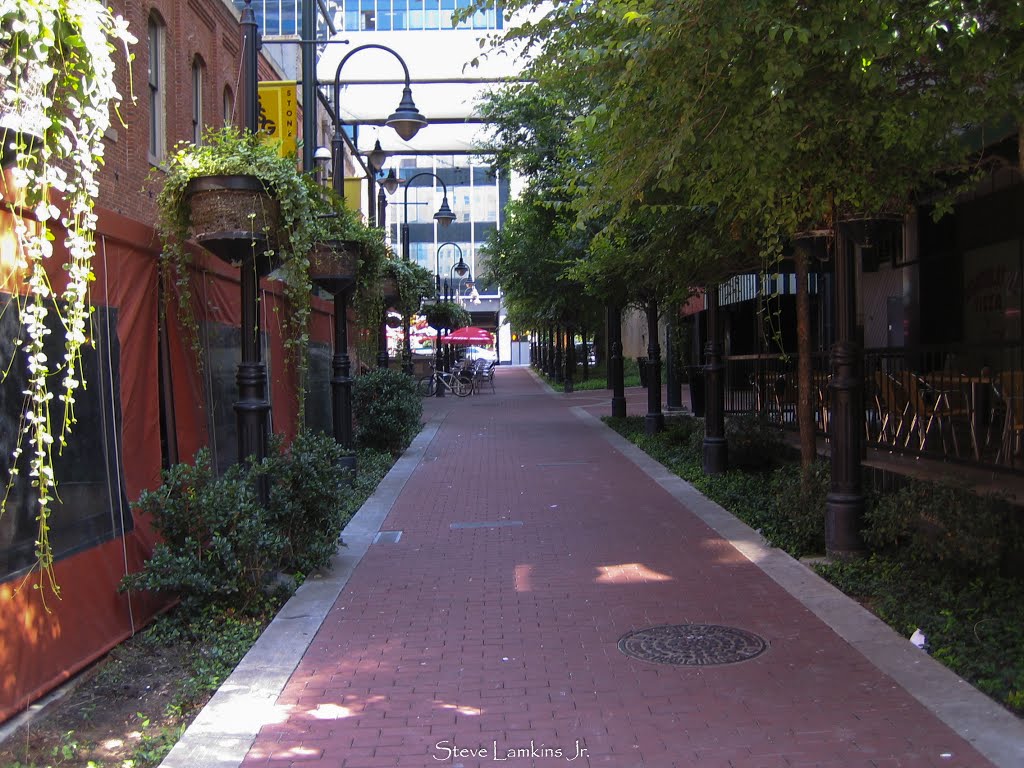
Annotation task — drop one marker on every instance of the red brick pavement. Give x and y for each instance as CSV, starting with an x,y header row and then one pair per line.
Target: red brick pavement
x,y
502,636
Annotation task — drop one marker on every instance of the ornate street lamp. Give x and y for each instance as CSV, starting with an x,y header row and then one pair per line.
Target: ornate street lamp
x,y
253,406
439,391
406,120
444,217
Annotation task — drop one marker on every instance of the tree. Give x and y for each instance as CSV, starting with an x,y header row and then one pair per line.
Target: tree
x,y
779,116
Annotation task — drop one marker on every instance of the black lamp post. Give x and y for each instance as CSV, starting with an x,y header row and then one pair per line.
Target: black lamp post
x,y
388,184
654,421
406,120
439,391
715,448
252,407
443,217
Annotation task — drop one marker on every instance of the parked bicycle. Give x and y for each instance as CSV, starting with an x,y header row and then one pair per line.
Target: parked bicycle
x,y
459,384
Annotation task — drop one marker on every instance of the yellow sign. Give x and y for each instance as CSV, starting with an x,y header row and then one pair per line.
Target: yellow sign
x,y
279,114
354,193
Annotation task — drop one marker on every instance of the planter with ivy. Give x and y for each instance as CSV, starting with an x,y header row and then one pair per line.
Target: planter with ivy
x,y
232,216
240,199
447,314
347,254
411,283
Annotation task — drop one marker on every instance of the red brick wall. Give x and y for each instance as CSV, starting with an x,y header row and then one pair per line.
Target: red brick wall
x,y
207,28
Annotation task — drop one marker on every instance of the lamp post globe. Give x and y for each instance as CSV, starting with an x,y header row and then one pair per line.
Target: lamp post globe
x,y
406,120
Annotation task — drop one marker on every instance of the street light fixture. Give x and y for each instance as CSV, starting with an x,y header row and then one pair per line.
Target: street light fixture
x,y
462,268
406,121
391,182
444,217
376,158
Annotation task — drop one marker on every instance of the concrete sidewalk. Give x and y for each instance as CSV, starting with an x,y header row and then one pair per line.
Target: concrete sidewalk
x,y
490,593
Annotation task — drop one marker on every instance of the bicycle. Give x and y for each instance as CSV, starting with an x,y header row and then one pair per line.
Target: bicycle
x,y
461,386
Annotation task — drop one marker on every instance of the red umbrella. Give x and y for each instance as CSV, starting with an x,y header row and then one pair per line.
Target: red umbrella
x,y
469,335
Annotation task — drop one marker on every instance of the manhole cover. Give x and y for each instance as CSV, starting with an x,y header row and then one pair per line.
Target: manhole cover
x,y
692,645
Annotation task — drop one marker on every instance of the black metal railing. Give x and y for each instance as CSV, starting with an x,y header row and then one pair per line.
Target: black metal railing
x,y
955,402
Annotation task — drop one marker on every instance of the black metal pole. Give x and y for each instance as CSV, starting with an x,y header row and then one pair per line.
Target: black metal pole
x,y
371,195
252,407
559,357
438,362
382,208
673,381
382,331
570,360
844,504
716,449
382,340
341,380
250,68
308,85
615,362
654,421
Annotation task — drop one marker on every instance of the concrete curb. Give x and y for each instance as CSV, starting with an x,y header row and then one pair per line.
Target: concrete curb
x,y
992,730
223,732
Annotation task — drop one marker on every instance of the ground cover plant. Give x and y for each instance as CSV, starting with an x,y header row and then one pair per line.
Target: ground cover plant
x,y
597,377
941,558
232,564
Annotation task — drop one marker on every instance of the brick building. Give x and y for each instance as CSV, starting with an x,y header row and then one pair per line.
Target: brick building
x,y
146,405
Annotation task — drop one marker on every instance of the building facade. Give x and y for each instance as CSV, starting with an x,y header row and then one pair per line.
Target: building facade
x,y
149,402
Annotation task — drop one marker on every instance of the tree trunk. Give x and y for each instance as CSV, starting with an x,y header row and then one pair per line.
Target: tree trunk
x,y
805,383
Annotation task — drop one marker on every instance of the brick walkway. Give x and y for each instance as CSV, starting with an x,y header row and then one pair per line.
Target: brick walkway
x,y
529,541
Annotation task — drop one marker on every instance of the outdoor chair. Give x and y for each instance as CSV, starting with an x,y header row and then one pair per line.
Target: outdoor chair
x,y
483,373
894,409
1010,391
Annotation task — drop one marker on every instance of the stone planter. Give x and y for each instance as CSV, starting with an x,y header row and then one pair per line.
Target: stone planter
x,y
333,265
234,217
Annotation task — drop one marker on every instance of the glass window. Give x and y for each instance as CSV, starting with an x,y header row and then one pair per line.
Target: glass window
x,y
485,204
90,506
157,128
431,18
197,100
400,9
229,105
384,16
447,8
415,14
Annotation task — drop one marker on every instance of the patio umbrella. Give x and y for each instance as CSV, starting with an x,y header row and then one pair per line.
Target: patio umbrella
x,y
469,335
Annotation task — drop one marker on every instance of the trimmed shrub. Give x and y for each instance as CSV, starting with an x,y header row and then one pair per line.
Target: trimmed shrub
x,y
218,545
308,500
387,410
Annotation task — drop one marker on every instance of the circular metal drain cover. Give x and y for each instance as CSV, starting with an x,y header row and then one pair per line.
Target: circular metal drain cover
x,y
692,645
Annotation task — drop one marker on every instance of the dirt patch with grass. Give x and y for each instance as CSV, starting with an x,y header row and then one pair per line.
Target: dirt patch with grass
x,y
131,707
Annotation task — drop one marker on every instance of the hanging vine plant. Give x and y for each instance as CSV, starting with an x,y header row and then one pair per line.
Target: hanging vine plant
x,y
414,282
57,66
288,235
447,314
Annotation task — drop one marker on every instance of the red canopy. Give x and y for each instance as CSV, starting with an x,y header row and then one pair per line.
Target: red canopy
x,y
469,335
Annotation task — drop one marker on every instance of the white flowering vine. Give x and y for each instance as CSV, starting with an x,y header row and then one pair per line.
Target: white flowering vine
x,y
57,67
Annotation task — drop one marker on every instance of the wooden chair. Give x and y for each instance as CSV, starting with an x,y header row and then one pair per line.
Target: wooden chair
x,y
919,408
894,409
1010,391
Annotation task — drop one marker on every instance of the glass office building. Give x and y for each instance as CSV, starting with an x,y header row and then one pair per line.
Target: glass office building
x,y
283,18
